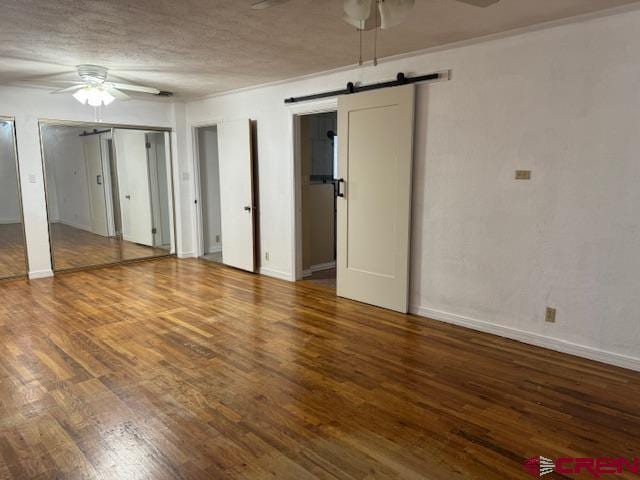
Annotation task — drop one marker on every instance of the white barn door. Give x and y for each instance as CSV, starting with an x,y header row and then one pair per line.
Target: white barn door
x,y
236,195
375,157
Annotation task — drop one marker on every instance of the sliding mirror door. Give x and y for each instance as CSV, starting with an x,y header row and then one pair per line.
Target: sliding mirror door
x,y
12,245
144,179
80,196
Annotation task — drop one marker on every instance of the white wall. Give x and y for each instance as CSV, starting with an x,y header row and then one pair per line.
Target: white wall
x,y
210,187
488,251
9,199
28,106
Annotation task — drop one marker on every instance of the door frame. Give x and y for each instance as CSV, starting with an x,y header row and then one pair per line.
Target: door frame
x,y
42,122
198,219
294,113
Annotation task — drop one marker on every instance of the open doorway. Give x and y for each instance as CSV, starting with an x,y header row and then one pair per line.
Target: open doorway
x,y
318,163
209,168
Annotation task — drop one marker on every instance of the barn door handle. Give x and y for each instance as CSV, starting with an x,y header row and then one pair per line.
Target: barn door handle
x,y
340,193
247,208
128,197
99,179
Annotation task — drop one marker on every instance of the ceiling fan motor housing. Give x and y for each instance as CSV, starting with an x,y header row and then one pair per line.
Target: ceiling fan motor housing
x,y
92,74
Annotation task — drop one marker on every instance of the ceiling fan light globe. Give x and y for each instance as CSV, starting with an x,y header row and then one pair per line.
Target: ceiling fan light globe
x,y
107,98
82,96
94,101
358,10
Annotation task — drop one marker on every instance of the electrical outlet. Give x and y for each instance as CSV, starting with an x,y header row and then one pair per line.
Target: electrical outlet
x,y
266,256
217,238
523,174
550,316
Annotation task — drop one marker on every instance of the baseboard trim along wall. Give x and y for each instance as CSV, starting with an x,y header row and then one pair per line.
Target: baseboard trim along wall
x,y
318,268
185,255
530,338
276,274
40,274
323,266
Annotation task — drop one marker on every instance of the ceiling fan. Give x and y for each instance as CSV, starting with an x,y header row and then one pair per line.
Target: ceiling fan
x,y
370,14
93,89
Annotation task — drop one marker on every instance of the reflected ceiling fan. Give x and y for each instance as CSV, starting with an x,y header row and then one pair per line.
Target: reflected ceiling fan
x,y
370,14
94,89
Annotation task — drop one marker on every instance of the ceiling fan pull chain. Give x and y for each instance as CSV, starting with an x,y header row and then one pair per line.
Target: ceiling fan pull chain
x,y
375,36
360,59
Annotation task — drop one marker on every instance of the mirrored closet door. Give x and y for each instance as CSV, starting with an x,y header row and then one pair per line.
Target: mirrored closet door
x,y
108,194
144,179
13,261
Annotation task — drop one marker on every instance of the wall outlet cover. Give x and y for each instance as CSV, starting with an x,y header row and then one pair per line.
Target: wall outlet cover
x,y
523,174
550,315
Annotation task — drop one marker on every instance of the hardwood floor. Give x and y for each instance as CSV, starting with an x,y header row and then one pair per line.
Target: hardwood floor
x,y
188,369
76,248
323,278
12,251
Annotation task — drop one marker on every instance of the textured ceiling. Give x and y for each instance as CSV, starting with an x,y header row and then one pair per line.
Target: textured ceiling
x,y
197,47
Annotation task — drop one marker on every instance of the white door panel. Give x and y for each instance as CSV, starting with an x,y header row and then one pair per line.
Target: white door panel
x,y
236,194
375,160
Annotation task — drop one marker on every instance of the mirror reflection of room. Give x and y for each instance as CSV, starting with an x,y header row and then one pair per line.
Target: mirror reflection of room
x,y
80,191
319,161
108,195
143,175
12,246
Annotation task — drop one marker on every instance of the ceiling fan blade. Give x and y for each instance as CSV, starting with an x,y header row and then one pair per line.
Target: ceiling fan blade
x,y
479,3
117,94
358,13
134,88
267,4
394,12
69,89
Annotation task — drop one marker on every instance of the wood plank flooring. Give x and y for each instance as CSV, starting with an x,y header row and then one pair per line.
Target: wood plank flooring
x,y
12,251
174,369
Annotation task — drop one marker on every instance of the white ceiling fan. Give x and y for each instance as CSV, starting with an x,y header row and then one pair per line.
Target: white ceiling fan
x,y
96,91
370,14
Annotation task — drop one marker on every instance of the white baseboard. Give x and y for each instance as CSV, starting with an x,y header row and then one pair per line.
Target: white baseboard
x,y
215,249
276,274
75,225
530,338
323,266
40,274
318,268
186,255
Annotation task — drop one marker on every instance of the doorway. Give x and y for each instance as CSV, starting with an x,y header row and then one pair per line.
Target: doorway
x,y
209,168
372,187
318,143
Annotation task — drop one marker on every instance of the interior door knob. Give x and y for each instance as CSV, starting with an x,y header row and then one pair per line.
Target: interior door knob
x,y
128,197
247,208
